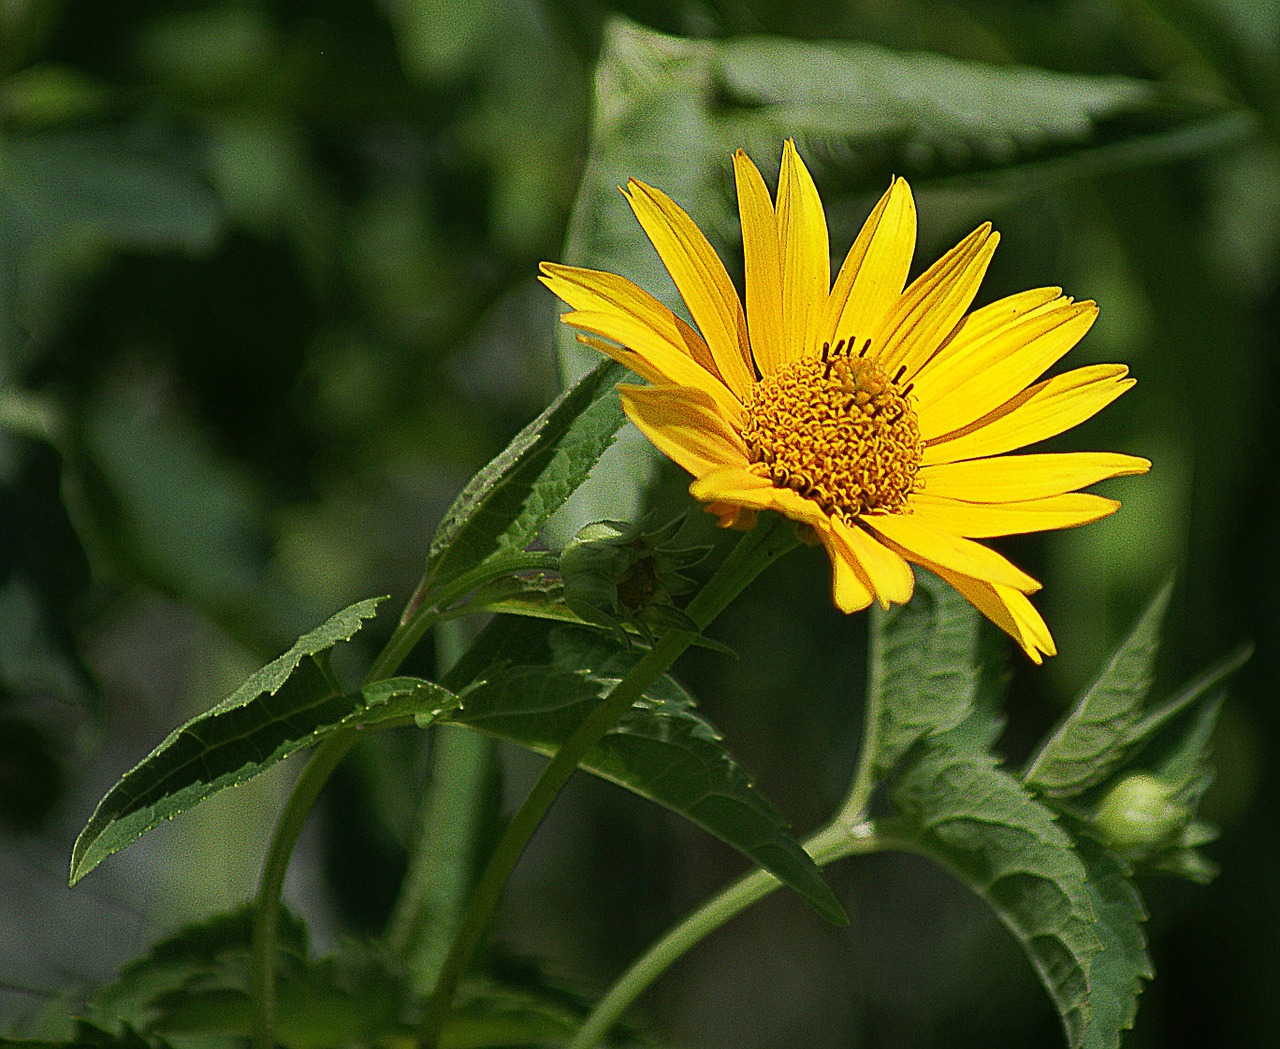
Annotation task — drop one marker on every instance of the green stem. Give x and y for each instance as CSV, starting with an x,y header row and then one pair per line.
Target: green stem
x,y
425,608
266,917
834,842
757,549
854,808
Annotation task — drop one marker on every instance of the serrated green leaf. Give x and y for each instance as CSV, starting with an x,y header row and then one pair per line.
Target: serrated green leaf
x,y
533,682
503,507
288,705
923,673
1208,684
491,1015
1175,742
1118,970
978,821
1096,735
197,983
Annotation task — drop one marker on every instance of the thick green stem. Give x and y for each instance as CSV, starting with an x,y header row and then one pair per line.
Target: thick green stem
x,y
834,842
855,804
753,553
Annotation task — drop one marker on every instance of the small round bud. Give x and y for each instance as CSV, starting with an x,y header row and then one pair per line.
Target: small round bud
x,y
1138,814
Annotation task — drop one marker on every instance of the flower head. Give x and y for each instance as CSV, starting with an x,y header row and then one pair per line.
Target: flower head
x,y
876,413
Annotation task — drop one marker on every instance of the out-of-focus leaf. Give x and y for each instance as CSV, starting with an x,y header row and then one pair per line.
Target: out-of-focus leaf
x,y
196,984
859,113
503,507
459,822
91,1036
1091,740
101,185
491,1015
288,705
1120,967
978,821
533,682
923,673
30,659
67,192
154,492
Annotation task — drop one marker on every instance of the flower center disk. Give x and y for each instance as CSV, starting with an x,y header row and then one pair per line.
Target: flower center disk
x,y
837,430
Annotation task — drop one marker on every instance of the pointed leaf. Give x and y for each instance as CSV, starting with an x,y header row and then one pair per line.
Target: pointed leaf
x,y
1092,740
196,983
1175,741
1206,686
288,705
503,507
1118,970
981,823
923,673
533,682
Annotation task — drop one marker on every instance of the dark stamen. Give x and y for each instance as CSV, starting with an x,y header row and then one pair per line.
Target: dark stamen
x,y
899,374
909,387
865,346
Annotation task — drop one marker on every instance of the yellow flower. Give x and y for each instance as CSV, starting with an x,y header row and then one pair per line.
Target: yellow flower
x,y
875,412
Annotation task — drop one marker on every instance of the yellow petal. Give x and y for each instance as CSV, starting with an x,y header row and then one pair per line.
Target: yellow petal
x,y
951,365
875,270
1006,608
763,265
730,516
654,358
1011,477
984,520
1043,411
700,278
851,589
595,291
806,255
921,542
738,486
889,575
1002,366
685,425
928,311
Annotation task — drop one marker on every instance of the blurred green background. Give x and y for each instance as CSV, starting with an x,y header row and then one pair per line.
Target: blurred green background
x,y
268,298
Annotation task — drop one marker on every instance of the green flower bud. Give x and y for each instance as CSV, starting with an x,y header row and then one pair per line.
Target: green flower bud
x,y
617,575
1139,815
